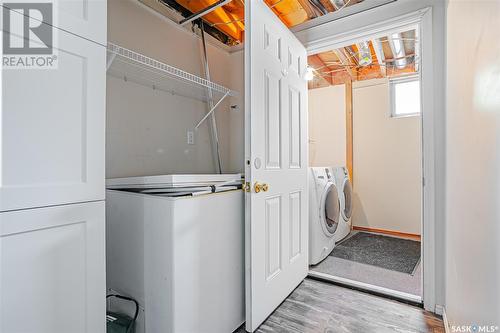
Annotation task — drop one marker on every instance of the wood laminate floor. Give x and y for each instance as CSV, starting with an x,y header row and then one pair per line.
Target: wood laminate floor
x,y
317,306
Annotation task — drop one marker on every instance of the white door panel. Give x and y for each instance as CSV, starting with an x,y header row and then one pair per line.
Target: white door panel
x,y
276,132
52,129
52,270
85,18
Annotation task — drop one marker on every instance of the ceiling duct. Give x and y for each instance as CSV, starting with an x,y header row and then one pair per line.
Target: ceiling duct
x,y
398,50
364,54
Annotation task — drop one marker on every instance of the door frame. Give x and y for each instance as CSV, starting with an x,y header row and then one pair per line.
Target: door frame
x,y
319,38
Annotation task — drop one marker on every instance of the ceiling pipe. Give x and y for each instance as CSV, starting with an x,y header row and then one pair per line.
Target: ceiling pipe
x,y
379,53
364,54
204,11
398,50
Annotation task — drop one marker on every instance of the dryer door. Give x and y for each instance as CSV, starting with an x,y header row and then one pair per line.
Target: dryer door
x,y
347,193
331,209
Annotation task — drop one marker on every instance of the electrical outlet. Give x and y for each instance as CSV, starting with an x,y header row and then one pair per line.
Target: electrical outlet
x,y
190,137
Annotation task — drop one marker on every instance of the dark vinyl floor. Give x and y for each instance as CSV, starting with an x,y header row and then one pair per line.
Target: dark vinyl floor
x,y
317,306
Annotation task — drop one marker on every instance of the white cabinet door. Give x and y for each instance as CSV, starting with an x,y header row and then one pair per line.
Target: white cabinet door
x,y
85,18
52,128
276,147
52,270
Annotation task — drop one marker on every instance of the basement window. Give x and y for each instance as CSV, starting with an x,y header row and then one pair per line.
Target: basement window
x,y
405,97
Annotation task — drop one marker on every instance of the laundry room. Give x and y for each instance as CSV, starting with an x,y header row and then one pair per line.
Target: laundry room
x,y
365,125
233,166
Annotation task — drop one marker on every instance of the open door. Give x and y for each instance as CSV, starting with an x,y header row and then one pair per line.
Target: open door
x,y
276,162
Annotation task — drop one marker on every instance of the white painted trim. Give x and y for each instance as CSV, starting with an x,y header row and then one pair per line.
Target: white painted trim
x,y
441,310
320,39
367,286
428,165
377,30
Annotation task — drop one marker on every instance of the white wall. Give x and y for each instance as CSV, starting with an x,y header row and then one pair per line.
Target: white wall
x,y
146,129
473,163
327,126
387,163
237,116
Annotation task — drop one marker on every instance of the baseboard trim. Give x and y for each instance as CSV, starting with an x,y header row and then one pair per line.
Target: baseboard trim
x,y
389,232
440,310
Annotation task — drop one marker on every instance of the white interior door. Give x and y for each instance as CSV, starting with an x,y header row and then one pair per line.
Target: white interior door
x,y
276,155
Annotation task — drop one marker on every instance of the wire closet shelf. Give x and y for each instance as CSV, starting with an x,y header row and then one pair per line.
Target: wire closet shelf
x,y
132,66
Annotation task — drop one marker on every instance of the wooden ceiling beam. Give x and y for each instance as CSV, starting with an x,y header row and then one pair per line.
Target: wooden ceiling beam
x,y
319,66
345,60
328,5
340,78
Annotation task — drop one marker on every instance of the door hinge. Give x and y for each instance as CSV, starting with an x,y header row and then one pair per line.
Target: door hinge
x,y
246,187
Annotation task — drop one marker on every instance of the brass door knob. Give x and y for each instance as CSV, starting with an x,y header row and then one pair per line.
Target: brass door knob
x,y
258,187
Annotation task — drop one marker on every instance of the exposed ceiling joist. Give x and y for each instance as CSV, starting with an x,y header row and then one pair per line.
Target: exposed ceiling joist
x,y
350,63
346,61
328,5
319,6
227,17
319,66
310,10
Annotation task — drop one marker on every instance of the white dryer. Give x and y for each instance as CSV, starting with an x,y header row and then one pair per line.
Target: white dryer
x,y
324,213
345,195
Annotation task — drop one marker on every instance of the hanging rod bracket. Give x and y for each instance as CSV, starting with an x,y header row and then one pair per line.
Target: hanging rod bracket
x,y
110,60
211,111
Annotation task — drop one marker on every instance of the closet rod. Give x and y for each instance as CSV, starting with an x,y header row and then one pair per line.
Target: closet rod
x,y
211,111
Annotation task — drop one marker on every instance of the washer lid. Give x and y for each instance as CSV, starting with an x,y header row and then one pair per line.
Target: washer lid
x,y
331,210
170,181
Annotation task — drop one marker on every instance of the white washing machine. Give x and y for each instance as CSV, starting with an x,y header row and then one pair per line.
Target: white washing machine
x,y
345,195
324,213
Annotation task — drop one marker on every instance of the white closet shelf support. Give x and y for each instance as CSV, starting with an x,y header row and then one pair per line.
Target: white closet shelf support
x,y
135,67
211,111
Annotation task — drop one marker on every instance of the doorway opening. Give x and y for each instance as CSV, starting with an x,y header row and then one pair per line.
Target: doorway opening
x,y
365,129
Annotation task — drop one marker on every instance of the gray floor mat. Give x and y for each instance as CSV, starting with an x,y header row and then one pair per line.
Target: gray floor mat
x,y
401,255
